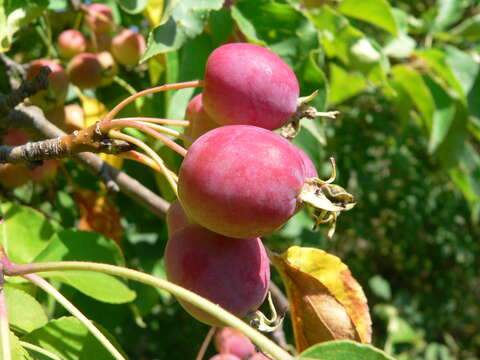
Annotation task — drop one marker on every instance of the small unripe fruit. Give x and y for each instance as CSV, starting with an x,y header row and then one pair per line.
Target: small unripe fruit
x,y
233,273
231,341
246,84
71,43
85,71
200,122
57,84
74,118
109,67
128,47
99,24
102,42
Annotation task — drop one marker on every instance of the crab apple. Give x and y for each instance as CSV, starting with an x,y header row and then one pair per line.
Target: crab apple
x,y
176,218
259,356
231,341
128,47
241,181
68,118
15,137
85,71
200,122
70,43
224,357
13,175
246,84
109,67
233,273
310,170
57,89
99,18
45,172
100,42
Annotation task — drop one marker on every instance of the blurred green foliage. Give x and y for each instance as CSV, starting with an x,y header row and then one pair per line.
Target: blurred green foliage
x,y
405,76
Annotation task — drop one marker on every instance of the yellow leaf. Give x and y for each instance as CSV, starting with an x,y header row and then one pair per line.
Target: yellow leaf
x,y
94,111
326,302
154,11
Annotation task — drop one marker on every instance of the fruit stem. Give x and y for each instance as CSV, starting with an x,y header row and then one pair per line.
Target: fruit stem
x,y
146,160
206,342
183,123
167,131
108,125
165,87
179,292
164,170
128,88
49,289
4,328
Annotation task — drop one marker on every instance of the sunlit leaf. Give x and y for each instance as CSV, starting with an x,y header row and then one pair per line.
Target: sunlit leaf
x,y
17,351
344,350
24,312
154,11
469,29
449,11
338,78
133,6
326,302
376,12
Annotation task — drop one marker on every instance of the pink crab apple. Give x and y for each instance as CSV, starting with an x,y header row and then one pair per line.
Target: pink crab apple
x,y
241,181
99,18
199,119
231,341
176,218
128,47
57,89
85,71
224,357
70,43
233,273
246,84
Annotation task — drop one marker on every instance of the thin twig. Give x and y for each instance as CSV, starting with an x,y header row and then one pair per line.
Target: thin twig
x,y
206,342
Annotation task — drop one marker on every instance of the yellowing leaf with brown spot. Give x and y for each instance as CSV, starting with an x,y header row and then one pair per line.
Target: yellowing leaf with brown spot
x,y
94,111
326,302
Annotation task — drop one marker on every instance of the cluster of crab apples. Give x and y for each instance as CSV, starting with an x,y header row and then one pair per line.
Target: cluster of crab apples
x,y
240,180
90,62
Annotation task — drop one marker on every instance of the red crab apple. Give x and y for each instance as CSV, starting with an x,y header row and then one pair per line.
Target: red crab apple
x,y
231,341
99,18
70,43
85,71
200,122
233,273
224,357
176,218
57,89
246,84
128,47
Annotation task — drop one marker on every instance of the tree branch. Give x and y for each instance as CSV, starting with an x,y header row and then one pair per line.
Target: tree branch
x,y
32,117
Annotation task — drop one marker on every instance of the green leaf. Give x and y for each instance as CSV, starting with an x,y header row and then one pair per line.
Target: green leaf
x,y
17,351
133,6
24,312
344,350
313,78
246,27
74,245
24,232
221,23
400,331
414,85
338,78
442,116
14,15
69,338
469,30
380,287
187,21
464,67
376,12
336,34
449,11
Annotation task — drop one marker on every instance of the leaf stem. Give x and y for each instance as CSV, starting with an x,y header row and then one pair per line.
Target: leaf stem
x,y
179,292
4,328
145,160
176,86
128,88
39,350
45,286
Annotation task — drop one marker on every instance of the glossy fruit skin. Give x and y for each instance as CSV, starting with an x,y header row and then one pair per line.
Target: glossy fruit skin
x,y
241,181
310,170
200,121
57,87
128,47
85,71
176,218
70,43
259,356
233,273
249,85
224,357
231,341
95,23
